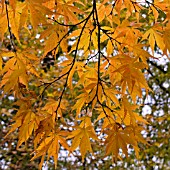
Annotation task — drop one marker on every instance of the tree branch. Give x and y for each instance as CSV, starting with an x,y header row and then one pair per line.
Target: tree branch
x,y
9,28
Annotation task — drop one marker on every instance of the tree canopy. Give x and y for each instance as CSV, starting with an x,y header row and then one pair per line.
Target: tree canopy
x,y
74,74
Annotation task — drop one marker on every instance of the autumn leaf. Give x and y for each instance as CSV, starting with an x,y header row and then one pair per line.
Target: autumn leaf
x,y
51,146
82,139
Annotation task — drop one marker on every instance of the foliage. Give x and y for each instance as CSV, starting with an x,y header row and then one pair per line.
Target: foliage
x,y
158,116
89,93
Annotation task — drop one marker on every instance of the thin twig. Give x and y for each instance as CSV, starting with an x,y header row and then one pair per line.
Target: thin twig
x,y
9,28
73,62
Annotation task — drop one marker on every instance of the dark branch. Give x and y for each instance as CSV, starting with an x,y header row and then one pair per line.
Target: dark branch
x,y
157,66
9,28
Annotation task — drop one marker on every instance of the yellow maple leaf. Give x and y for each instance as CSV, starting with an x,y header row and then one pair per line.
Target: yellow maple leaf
x,y
82,139
119,138
51,145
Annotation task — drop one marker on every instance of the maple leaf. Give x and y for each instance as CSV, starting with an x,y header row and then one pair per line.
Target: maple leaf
x,y
82,137
51,146
154,34
119,138
26,120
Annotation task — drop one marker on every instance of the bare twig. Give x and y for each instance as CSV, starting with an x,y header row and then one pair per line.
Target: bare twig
x,y
9,28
